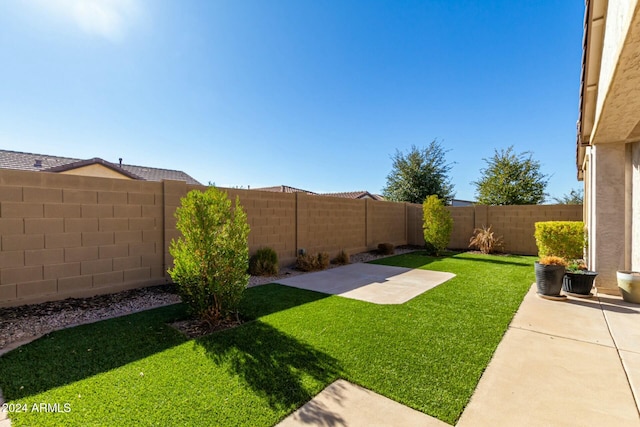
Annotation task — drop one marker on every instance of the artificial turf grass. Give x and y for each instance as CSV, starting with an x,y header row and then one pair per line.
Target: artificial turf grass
x,y
428,353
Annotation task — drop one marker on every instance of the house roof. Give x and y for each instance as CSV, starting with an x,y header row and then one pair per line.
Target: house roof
x,y
347,194
355,195
48,163
283,189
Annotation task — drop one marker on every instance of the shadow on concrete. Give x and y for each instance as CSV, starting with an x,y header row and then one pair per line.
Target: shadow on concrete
x,y
276,366
600,303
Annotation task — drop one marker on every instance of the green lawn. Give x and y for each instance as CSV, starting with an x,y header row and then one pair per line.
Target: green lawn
x,y
428,353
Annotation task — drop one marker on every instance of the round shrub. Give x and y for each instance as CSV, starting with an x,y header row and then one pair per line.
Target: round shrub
x,y
264,263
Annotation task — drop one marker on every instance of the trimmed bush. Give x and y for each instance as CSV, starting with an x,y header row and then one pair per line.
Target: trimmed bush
x,y
264,263
437,225
342,258
310,262
386,249
565,239
485,240
211,257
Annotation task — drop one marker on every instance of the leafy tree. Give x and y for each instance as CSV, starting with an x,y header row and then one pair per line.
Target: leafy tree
x,y
212,255
575,197
419,173
511,179
437,225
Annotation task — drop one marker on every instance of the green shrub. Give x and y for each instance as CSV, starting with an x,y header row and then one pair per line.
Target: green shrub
x,y
485,240
264,263
437,224
211,256
310,262
386,249
565,239
342,258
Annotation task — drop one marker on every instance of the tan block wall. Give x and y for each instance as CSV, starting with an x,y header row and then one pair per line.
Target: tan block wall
x,y
272,218
66,235
386,223
514,223
74,236
329,224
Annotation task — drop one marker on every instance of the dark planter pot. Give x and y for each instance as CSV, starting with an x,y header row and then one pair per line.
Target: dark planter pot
x,y
578,283
549,279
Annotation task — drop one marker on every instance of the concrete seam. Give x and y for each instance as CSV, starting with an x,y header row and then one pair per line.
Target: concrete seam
x,y
624,369
560,336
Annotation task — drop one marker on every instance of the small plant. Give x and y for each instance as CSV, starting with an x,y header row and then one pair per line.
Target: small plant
x,y
577,266
323,260
264,263
211,257
342,258
437,225
386,249
553,260
565,239
310,262
485,240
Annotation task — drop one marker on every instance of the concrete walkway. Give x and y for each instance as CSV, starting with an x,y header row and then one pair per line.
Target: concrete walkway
x,y
378,284
561,363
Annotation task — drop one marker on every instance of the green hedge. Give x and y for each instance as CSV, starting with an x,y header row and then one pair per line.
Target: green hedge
x,y
565,239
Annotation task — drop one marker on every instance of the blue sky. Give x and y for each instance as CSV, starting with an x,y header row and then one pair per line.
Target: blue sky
x,y
313,94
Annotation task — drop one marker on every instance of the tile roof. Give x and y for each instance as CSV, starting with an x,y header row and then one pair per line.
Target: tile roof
x,y
29,162
355,195
283,189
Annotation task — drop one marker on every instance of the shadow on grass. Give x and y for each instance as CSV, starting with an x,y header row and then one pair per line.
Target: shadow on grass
x,y
277,367
271,298
73,354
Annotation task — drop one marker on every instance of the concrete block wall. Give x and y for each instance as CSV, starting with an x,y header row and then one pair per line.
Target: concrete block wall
x,y
514,223
386,223
64,235
329,224
272,218
74,236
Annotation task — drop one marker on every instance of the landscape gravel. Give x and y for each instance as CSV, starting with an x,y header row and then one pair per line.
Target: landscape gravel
x,y
19,325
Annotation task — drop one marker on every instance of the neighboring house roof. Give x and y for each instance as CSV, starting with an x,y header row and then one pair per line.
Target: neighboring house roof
x,y
347,195
355,195
47,163
283,189
458,202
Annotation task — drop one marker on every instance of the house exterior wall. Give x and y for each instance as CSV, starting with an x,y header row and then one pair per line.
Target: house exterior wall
x,y
95,170
611,161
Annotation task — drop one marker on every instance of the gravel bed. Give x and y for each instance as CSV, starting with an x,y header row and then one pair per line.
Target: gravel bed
x,y
22,324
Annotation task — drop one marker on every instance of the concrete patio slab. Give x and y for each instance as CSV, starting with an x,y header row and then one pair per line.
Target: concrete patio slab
x,y
378,284
631,362
556,366
578,318
536,379
623,319
346,404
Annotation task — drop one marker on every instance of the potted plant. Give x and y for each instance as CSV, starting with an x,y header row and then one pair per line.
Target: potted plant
x,y
578,280
629,285
549,274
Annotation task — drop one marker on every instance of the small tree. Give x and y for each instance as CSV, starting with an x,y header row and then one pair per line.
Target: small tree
x,y
511,179
437,224
211,257
419,173
575,197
